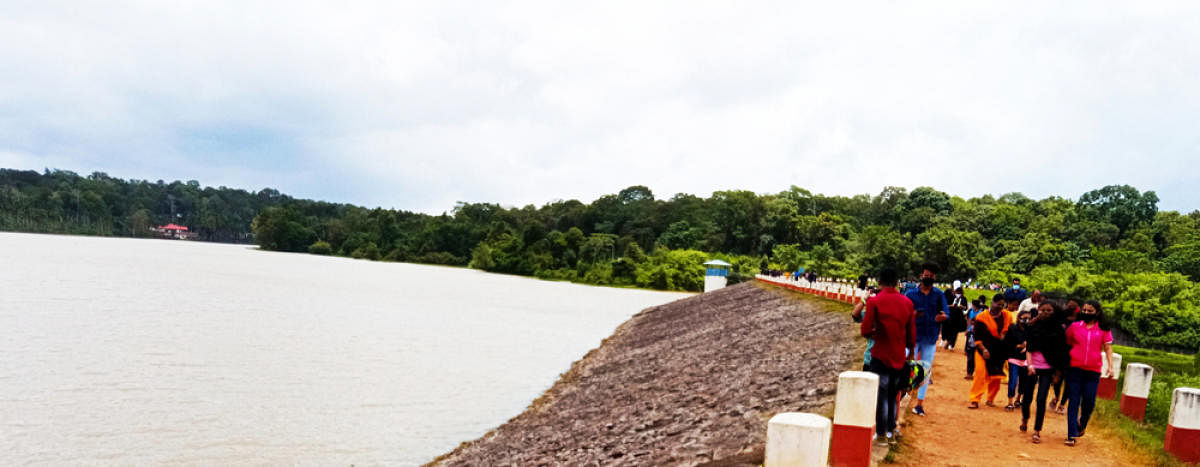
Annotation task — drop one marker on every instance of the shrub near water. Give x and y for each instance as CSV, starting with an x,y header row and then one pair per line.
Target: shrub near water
x,y
320,248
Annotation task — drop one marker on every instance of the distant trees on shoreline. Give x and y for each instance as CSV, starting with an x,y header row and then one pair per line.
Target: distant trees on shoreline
x,y
1111,244
60,201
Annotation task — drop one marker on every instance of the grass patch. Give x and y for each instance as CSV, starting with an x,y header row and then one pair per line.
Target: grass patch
x,y
1163,362
1146,438
1171,370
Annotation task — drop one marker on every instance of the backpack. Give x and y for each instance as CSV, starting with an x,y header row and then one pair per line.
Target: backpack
x,y
916,374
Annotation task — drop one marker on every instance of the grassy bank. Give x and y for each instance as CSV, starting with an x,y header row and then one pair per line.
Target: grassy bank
x,y
1171,370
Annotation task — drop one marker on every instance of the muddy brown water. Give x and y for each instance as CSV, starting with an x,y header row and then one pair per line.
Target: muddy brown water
x,y
154,352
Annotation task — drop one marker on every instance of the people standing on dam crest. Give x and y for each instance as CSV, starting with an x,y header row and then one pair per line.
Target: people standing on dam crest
x,y
990,354
889,320
931,311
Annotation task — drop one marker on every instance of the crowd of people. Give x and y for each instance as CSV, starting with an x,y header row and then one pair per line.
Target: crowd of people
x,y
1041,344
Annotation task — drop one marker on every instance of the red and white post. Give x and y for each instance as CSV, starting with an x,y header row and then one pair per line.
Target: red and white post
x,y
854,419
797,439
1137,389
1107,389
1183,426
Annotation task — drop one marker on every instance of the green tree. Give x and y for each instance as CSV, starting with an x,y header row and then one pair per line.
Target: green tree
x,y
790,257
877,247
1184,259
1119,205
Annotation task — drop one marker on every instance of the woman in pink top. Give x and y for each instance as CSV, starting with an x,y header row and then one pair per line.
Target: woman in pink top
x,y
1089,339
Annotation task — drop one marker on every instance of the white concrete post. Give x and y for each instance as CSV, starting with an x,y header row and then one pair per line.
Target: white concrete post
x,y
854,418
1116,368
797,439
1107,389
1136,391
1183,425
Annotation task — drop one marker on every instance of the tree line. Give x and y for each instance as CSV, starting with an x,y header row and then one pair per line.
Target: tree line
x,y
1111,244
63,202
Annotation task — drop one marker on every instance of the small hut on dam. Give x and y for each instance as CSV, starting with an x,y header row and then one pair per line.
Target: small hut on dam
x,y
716,274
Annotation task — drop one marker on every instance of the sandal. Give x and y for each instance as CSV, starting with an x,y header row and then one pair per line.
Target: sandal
x,y
973,405
991,404
1070,442
1054,402
1062,409
1080,434
1037,438
1009,408
1024,426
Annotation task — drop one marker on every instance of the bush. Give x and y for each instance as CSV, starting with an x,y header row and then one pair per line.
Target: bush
x,y
320,247
369,251
1162,389
673,270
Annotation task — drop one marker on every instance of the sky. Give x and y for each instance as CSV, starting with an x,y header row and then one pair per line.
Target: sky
x,y
419,105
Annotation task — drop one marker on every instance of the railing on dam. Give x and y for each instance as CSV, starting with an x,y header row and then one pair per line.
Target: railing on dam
x,y
833,289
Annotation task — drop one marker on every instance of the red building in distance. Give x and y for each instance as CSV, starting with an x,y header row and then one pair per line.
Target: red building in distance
x,y
173,231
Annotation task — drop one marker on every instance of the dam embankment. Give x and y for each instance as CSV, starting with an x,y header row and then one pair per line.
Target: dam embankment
x,y
687,383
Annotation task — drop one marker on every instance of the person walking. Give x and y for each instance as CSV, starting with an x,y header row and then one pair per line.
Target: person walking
x,y
1046,355
889,320
1013,376
1015,293
969,337
1015,341
1030,304
958,319
1068,315
990,355
930,305
860,305
1089,339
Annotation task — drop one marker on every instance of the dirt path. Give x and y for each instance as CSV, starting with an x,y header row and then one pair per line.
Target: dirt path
x,y
951,434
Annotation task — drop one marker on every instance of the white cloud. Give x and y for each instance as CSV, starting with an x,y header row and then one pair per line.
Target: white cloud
x,y
419,105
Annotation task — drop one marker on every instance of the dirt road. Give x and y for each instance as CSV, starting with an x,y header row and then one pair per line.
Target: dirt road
x,y
951,434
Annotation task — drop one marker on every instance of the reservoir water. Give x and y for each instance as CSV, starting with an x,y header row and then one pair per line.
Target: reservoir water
x,y
134,352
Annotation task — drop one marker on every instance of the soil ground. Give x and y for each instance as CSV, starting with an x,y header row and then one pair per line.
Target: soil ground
x,y
952,434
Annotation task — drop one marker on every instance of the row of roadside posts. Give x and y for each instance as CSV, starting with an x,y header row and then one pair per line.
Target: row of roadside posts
x,y
805,439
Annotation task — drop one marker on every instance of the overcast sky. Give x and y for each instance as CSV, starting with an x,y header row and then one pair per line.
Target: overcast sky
x,y
419,105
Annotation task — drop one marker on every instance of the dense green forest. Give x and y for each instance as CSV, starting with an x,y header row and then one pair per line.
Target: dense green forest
x,y
59,201
1111,244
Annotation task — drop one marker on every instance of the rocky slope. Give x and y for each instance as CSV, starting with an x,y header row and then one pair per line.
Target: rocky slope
x,y
690,382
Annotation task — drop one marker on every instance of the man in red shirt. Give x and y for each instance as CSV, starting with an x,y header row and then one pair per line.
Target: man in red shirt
x,y
889,319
